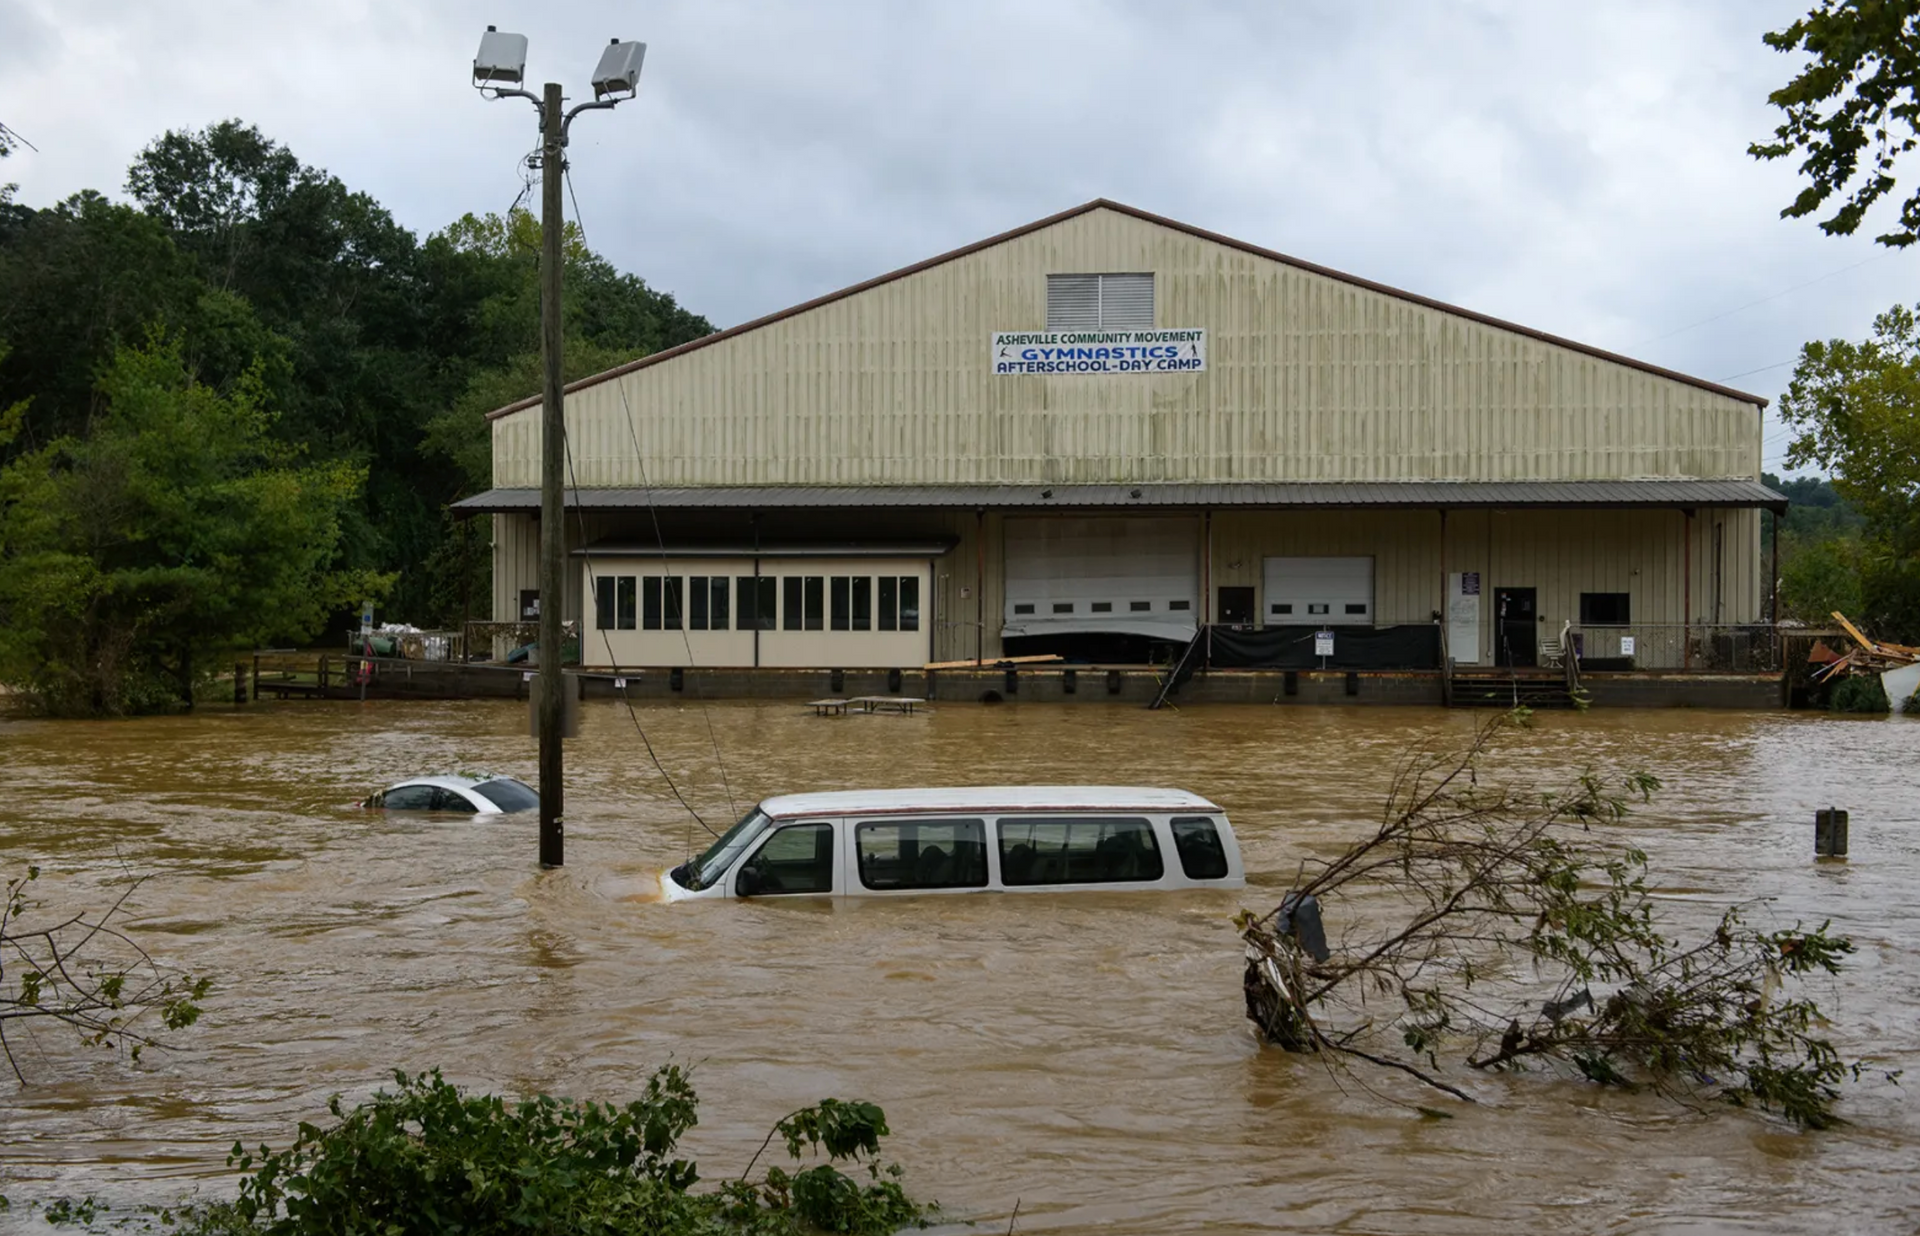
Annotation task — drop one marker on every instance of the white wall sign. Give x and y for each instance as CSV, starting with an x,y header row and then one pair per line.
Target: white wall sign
x,y
1323,643
1626,645
1099,351
619,684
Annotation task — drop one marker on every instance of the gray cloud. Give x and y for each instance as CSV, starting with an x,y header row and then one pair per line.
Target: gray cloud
x,y
1581,169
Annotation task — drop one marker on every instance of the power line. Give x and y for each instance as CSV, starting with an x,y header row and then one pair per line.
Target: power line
x,y
1764,299
1762,369
660,540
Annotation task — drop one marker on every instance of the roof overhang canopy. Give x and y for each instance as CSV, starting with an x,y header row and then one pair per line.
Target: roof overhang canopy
x,y
1431,495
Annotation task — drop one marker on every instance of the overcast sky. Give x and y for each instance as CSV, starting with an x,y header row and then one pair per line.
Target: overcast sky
x,y
1580,169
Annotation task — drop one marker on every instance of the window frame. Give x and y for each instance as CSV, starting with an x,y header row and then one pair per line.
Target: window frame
x,y
862,863
1005,843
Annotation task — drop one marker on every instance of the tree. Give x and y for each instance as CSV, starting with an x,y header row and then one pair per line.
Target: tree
x,y
177,529
1521,934
1855,410
86,277
81,971
1852,111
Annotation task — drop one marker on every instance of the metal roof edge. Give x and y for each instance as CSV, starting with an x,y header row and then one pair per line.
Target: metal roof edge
x,y
1147,216
1641,492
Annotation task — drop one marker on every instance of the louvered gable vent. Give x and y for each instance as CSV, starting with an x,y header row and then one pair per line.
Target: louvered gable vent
x,y
1095,302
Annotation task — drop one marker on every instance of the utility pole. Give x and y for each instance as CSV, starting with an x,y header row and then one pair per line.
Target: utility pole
x,y
498,70
553,449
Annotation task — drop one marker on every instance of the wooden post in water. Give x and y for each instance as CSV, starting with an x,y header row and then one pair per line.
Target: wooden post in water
x,y
1830,833
239,682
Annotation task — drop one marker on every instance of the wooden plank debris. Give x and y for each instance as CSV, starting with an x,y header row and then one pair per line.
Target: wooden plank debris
x,y
996,663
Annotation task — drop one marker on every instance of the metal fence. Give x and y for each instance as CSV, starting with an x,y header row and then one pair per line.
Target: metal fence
x,y
1746,648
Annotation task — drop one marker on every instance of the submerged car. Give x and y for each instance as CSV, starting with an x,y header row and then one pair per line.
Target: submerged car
x,y
1014,839
456,795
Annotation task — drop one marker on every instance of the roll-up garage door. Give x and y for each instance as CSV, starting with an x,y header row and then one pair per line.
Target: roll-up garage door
x,y
1319,591
1124,575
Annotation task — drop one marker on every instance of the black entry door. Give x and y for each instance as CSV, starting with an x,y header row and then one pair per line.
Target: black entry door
x,y
1236,606
1516,639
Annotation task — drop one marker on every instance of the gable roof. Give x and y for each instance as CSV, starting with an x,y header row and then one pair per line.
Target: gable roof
x,y
1101,203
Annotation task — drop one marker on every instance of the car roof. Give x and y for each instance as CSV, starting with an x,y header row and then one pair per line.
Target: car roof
x,y
449,781
988,798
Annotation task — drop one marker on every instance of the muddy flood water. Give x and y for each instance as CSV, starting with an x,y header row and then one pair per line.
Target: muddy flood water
x,y
1085,1054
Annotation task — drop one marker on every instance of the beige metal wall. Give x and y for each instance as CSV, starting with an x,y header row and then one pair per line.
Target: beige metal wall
x,y
1309,378
1560,554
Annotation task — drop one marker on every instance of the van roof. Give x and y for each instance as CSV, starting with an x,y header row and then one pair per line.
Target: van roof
x,y
988,798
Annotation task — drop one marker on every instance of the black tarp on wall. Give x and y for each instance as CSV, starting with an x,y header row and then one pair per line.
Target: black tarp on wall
x,y
1414,646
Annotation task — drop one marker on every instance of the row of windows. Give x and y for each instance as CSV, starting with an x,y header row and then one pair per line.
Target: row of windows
x,y
1317,607
901,855
757,602
1102,607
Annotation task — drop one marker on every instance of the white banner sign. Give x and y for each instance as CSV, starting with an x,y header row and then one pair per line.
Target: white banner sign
x,y
1099,351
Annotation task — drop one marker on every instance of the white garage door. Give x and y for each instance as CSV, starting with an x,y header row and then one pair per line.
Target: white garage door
x,y
1126,575
1319,592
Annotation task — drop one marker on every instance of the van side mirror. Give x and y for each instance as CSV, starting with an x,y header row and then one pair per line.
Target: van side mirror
x,y
748,883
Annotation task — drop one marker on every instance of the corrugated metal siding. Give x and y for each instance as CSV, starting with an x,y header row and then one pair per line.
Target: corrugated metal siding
x,y
1309,379
1559,553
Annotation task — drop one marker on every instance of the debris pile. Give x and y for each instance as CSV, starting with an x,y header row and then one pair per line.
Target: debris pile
x,y
1896,665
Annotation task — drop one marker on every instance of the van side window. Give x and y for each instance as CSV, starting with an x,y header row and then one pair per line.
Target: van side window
x,y
1202,856
796,859
939,853
1077,850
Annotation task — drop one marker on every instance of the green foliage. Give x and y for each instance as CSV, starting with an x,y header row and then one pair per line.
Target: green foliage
x,y
1528,936
82,972
1855,408
271,273
1819,577
1860,693
178,528
1851,111
428,1159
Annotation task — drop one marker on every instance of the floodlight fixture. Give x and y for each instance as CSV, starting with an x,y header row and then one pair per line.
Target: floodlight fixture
x,y
619,70
502,59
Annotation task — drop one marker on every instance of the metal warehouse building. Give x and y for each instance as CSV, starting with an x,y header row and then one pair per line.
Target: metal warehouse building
x,y
1106,433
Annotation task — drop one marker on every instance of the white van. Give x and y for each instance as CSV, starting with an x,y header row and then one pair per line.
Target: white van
x,y
1002,839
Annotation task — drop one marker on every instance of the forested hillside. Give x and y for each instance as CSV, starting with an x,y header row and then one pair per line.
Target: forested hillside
x,y
337,351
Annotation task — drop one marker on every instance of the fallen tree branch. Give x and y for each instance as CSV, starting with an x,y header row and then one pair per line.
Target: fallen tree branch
x,y
1528,936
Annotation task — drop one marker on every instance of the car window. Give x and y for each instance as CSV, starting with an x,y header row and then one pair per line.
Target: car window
x,y
1077,850
938,853
1202,856
508,794
452,801
409,798
795,859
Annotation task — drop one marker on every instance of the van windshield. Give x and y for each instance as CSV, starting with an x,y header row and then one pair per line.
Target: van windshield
x,y
702,872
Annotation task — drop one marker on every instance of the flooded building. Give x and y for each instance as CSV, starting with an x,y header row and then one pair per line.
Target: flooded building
x,y
1107,433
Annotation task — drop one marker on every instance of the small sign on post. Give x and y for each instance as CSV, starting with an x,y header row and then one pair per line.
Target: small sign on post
x,y
1323,645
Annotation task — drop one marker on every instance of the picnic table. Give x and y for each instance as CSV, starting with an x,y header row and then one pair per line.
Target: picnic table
x,y
887,703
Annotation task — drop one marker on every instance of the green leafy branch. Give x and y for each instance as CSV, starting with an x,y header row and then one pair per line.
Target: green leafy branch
x,y
428,1159
83,972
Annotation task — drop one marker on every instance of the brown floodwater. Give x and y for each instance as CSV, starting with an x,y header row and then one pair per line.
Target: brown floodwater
x,y
1085,1055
